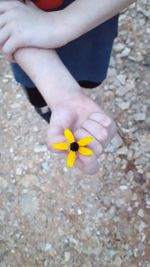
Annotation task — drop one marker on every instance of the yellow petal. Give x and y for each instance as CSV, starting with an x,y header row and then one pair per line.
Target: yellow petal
x,y
71,158
69,136
85,141
61,146
85,151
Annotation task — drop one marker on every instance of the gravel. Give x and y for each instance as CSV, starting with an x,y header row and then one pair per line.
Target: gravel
x,y
51,216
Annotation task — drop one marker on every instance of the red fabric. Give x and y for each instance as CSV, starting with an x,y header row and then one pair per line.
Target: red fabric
x,y
48,4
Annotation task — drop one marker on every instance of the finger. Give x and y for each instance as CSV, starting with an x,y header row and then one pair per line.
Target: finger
x,y
3,20
101,118
7,5
106,122
87,165
60,120
99,132
55,135
9,48
4,35
95,146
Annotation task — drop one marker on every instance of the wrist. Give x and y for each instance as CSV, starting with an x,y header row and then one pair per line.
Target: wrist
x,y
56,95
59,30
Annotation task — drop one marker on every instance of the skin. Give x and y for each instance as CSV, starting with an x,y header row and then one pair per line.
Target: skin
x,y
49,31
77,112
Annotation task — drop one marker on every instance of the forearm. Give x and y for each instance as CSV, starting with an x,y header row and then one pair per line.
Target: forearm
x,y
48,73
84,15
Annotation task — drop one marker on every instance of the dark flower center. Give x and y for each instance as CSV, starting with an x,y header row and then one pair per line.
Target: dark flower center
x,y
74,146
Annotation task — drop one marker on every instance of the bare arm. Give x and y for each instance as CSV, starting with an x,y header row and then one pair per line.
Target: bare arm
x,y
84,15
48,73
52,29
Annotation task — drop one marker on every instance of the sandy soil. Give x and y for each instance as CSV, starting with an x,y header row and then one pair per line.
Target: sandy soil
x,y
51,216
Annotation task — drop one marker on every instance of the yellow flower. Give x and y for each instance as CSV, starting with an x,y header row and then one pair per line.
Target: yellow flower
x,y
74,146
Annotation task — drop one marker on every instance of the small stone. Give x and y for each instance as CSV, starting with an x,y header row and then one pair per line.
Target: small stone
x,y
123,187
140,116
45,166
29,203
19,171
120,203
147,175
40,148
130,155
134,197
67,256
142,237
141,226
3,183
121,91
47,247
11,150
65,169
123,105
121,78
125,52
29,180
141,213
35,129
2,215
115,143
118,47
117,261
138,58
123,151
79,211
135,252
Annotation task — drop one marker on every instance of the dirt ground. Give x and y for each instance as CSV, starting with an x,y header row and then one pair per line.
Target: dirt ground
x,y
54,217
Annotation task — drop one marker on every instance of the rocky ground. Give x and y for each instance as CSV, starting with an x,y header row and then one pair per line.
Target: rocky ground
x,y
54,217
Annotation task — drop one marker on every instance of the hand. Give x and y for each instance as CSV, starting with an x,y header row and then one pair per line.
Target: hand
x,y
24,25
83,117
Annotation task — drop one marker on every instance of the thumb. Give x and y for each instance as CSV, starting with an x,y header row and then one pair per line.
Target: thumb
x,y
60,120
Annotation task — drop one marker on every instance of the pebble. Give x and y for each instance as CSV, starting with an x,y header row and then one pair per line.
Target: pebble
x,y
122,79
140,116
147,175
2,214
3,183
45,166
35,129
67,256
117,261
40,148
121,91
47,247
29,180
141,213
79,211
115,143
123,187
123,151
29,204
123,105
19,171
126,52
119,47
141,226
